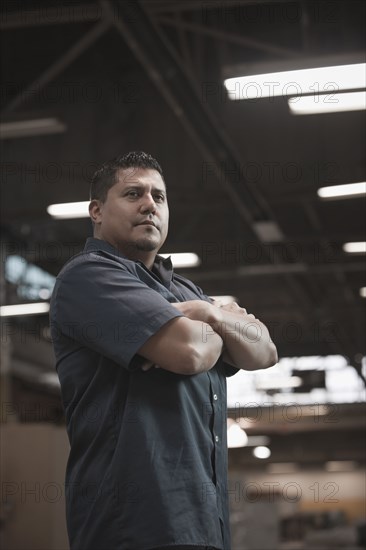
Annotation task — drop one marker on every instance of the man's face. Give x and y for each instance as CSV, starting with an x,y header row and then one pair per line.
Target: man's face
x,y
134,217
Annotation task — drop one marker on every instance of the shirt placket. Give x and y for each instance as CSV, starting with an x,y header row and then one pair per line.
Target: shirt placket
x,y
216,404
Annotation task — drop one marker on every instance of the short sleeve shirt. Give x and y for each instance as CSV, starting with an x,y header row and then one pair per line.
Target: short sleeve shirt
x,y
148,459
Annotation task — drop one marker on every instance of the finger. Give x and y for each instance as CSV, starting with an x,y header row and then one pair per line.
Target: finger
x,y
146,366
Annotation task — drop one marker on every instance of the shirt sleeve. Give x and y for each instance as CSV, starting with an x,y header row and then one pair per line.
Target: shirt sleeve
x,y
102,306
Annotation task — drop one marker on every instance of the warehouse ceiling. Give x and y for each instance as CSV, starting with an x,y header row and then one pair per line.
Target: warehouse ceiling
x,y
242,176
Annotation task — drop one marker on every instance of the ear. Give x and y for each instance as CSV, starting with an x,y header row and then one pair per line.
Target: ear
x,y
95,211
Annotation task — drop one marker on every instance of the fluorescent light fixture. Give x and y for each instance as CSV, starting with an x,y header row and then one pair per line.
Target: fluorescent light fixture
x,y
298,82
268,382
261,452
363,292
327,103
236,437
69,210
355,248
343,191
183,259
24,309
340,465
32,127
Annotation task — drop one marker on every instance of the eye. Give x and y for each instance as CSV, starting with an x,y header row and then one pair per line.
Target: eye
x,y
133,194
159,197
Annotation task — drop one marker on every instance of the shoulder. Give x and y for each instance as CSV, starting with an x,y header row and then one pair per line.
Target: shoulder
x,y
91,274
94,261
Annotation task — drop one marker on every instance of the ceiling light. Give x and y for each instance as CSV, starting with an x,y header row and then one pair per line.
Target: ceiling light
x,y
343,191
183,259
44,293
327,103
281,381
24,309
69,210
261,452
363,292
298,82
355,248
32,127
236,437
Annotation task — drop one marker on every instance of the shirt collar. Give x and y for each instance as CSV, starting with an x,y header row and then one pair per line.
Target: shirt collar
x,y
93,245
162,267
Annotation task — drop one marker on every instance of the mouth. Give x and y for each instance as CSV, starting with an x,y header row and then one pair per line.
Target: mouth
x,y
148,222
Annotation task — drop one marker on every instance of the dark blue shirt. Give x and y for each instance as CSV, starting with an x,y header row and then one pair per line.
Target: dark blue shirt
x,y
148,458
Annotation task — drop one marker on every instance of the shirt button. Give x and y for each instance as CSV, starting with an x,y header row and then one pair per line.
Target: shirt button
x,y
215,397
217,438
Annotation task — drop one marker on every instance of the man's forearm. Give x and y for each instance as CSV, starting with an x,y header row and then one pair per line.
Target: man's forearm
x,y
180,348
207,349
247,342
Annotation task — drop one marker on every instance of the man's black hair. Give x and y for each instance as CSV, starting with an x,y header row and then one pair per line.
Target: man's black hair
x,y
106,176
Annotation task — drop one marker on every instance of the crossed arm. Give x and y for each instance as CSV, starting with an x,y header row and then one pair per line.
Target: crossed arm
x,y
194,342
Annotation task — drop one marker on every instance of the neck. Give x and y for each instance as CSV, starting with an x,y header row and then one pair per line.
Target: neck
x,y
132,252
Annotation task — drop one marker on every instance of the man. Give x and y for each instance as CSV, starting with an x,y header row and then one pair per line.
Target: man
x,y
142,356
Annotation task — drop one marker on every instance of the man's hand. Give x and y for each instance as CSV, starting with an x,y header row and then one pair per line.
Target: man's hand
x,y
148,365
234,308
247,342
199,310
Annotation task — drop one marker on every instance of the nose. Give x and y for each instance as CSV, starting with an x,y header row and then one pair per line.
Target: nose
x,y
148,205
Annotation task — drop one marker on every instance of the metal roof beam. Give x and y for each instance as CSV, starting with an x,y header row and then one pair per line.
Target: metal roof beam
x,y
91,12
273,49
59,66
